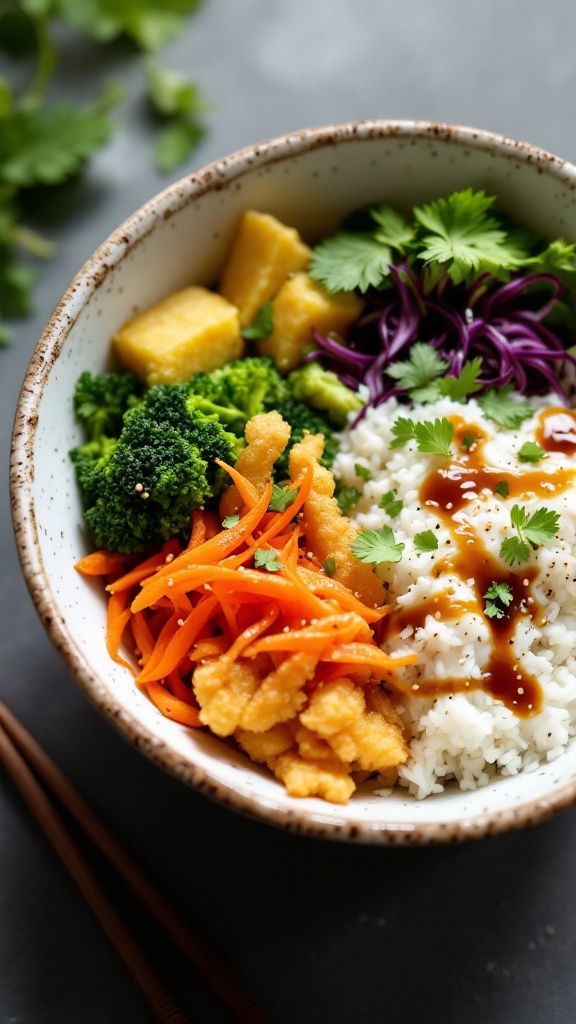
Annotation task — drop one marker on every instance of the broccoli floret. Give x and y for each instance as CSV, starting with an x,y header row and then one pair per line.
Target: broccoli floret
x,y
323,390
237,391
142,489
101,401
304,420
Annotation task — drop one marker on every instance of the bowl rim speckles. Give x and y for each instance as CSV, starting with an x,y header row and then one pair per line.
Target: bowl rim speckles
x,y
312,817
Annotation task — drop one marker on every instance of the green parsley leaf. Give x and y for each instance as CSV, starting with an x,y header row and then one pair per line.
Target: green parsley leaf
x,y
266,560
423,366
262,324
230,521
178,101
377,546
347,261
362,471
497,592
175,143
404,430
426,541
502,489
532,531
531,452
347,497
329,566
508,412
150,24
458,388
461,233
390,503
558,255
282,498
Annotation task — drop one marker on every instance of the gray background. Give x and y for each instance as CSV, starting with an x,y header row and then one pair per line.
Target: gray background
x,y
322,933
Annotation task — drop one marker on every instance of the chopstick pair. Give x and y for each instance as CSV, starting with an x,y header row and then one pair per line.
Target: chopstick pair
x,y
36,776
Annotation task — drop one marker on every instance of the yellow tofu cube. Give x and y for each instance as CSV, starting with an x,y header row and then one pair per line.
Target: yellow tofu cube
x,y
264,252
300,305
192,331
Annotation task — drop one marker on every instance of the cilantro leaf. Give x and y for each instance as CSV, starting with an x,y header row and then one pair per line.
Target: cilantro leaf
x,y
329,566
393,229
362,471
347,261
507,412
229,521
501,592
264,559
502,489
262,324
377,546
458,388
390,503
282,498
150,24
426,541
423,366
347,497
531,452
460,232
433,437
532,531
177,101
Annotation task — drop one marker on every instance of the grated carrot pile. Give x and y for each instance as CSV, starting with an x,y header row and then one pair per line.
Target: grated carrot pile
x,y
183,605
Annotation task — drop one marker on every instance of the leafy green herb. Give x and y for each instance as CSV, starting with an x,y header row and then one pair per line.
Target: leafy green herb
x,y
393,229
497,592
508,412
459,388
149,23
330,566
346,261
264,559
282,498
229,521
362,471
502,489
347,497
377,546
531,452
390,503
178,104
426,541
416,373
433,438
262,324
531,532
469,440
461,233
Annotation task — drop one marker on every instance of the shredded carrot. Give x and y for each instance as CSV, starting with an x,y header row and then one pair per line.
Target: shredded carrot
x,y
103,563
246,489
172,707
118,616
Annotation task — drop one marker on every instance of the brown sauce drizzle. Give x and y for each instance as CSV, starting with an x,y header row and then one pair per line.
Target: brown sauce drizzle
x,y
446,491
556,430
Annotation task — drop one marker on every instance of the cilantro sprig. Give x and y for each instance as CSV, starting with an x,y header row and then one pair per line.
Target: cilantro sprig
x,y
497,595
377,546
432,437
531,532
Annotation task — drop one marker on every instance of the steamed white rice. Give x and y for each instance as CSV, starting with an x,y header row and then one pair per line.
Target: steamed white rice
x,y
469,737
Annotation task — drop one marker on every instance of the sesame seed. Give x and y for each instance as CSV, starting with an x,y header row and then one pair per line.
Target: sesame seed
x,y
170,581
139,487
520,690
415,686
169,558
180,622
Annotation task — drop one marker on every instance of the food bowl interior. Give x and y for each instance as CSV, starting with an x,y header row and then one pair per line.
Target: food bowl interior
x,y
309,180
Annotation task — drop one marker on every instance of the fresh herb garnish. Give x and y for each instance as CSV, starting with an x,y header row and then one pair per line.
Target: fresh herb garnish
x,y
347,261
261,326
507,412
282,498
264,559
179,105
459,388
531,452
415,374
498,594
329,566
426,541
229,521
362,471
502,489
390,503
347,497
469,440
434,438
531,532
377,546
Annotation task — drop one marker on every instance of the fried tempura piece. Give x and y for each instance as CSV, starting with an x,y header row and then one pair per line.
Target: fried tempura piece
x,y
280,696
267,436
365,734
328,531
223,690
327,779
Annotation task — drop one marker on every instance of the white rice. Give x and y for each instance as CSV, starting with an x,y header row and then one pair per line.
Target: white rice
x,y
469,737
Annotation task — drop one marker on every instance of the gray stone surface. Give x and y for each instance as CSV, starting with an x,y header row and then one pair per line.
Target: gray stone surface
x,y
322,933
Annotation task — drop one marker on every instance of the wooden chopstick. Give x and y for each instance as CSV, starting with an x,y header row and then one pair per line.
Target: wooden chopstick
x,y
22,756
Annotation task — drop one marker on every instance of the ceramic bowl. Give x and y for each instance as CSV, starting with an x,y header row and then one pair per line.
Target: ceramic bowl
x,y
309,179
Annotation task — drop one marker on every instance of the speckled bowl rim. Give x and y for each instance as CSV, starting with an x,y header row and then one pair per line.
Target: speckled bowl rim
x,y
87,280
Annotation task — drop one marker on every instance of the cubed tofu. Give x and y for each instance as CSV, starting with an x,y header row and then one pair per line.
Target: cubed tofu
x,y
264,252
192,331
300,305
